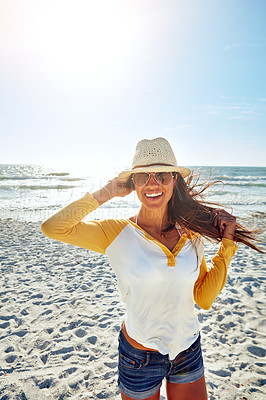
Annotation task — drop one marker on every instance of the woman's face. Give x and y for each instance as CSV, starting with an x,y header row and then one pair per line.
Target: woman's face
x,y
154,195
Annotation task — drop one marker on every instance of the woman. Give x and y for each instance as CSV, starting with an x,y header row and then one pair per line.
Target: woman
x,y
159,261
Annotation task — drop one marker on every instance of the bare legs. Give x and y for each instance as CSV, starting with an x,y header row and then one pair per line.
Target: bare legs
x,y
180,391
187,391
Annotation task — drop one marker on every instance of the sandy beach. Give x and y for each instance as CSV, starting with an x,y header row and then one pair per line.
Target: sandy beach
x,y
61,314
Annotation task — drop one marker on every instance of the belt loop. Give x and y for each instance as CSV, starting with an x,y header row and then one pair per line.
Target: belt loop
x,y
148,355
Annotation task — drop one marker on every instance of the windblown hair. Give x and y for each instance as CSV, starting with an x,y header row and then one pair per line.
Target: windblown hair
x,y
192,212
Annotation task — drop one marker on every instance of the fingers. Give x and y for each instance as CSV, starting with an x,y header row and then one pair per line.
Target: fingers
x,y
217,217
118,188
224,221
119,184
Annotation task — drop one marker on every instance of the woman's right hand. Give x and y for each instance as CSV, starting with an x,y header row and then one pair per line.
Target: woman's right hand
x,y
113,188
118,188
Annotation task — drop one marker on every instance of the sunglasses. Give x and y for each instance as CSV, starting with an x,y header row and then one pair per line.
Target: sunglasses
x,y
163,178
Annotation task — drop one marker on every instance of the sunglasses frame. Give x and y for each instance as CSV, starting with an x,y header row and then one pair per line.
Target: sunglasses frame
x,y
153,173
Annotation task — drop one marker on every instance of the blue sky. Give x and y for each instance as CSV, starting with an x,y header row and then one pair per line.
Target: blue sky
x,y
82,81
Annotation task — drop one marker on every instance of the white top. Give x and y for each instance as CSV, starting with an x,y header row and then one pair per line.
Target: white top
x,y
159,299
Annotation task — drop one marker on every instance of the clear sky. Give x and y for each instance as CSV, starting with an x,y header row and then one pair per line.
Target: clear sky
x,y
82,81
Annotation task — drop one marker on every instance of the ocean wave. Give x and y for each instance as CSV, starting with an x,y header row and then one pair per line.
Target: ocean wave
x,y
240,177
20,177
244,203
219,193
58,174
258,214
38,187
72,179
246,184
40,178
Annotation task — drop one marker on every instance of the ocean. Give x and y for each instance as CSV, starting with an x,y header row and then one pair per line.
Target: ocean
x,y
32,192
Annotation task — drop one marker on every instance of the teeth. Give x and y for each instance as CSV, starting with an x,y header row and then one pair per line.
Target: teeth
x,y
153,194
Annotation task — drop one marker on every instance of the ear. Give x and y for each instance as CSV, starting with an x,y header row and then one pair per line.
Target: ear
x,y
175,179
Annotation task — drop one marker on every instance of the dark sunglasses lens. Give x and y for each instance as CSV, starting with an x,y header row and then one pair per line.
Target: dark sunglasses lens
x,y
165,178
140,179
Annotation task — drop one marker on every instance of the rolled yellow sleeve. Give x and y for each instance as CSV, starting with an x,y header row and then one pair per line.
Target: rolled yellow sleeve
x,y
210,283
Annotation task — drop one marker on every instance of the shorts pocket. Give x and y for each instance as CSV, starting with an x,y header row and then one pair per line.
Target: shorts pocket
x,y
130,361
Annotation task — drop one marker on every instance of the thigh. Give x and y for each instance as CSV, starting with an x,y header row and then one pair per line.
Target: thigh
x,y
189,391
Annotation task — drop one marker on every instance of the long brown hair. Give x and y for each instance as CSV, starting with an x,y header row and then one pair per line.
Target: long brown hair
x,y
192,212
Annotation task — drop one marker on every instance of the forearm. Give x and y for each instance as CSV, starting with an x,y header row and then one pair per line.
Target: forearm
x,y
59,224
210,283
102,195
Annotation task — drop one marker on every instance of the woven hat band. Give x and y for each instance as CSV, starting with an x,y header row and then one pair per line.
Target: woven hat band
x,y
152,165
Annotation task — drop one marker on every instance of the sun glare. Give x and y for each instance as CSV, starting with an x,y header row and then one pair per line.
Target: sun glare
x,y
92,44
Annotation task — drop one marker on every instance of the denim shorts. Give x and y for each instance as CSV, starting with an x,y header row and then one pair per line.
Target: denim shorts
x,y
141,372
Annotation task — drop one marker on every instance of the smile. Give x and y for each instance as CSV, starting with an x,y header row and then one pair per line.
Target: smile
x,y
153,194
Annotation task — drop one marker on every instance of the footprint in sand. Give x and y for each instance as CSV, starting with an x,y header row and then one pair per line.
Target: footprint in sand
x,y
226,327
21,333
4,325
68,372
24,312
10,359
75,385
248,291
80,333
111,365
45,384
9,349
103,326
63,350
92,339
102,395
221,373
257,351
37,296
44,358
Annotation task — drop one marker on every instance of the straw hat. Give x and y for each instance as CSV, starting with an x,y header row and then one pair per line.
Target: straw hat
x,y
155,155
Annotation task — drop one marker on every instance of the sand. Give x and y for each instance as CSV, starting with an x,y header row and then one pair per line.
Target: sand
x,y
61,314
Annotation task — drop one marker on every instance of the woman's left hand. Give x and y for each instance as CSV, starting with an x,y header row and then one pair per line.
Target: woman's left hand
x,y
226,223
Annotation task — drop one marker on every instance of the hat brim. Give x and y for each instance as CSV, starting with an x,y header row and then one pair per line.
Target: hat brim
x,y
125,175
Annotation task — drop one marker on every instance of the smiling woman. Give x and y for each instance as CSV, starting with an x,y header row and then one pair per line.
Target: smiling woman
x,y
158,257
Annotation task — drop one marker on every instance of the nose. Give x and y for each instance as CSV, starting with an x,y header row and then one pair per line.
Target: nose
x,y
152,181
